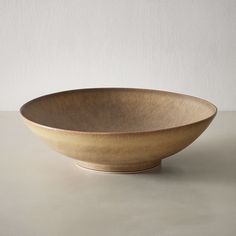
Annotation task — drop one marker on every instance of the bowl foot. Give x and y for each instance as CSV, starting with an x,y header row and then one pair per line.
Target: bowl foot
x,y
132,168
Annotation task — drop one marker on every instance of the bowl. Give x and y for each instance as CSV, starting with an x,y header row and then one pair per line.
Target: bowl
x,y
118,129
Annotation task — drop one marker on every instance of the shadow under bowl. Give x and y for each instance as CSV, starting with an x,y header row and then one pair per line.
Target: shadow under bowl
x,y
118,129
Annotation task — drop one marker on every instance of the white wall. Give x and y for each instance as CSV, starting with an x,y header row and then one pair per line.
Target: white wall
x,y
178,45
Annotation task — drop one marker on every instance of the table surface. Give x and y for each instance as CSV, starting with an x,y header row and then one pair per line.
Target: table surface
x,y
44,193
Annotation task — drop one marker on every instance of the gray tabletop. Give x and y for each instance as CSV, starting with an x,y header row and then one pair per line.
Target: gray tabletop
x,y
45,193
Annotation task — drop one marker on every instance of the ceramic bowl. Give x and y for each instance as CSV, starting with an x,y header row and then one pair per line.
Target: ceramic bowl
x,y
118,129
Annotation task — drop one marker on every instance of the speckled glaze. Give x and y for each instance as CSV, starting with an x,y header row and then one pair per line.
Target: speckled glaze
x,y
118,129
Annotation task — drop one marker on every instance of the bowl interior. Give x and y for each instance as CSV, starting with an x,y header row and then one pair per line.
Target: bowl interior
x,y
116,110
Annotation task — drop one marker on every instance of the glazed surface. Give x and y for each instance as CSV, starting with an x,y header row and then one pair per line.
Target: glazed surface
x,y
116,110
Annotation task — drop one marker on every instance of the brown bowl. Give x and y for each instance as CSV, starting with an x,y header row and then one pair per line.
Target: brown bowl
x,y
118,129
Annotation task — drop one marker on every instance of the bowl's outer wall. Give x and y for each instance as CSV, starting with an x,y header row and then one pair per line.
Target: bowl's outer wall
x,y
120,152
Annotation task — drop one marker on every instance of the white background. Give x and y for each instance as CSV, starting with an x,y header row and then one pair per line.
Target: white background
x,y
178,45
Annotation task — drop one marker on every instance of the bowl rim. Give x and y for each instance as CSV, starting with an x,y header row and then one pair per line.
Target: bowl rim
x,y
115,132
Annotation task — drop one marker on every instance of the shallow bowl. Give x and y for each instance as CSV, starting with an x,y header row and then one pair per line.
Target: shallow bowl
x,y
118,129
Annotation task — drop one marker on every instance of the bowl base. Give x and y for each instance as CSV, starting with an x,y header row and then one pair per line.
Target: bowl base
x,y
132,168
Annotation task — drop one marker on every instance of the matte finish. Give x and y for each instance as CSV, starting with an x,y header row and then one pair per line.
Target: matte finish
x,y
116,129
